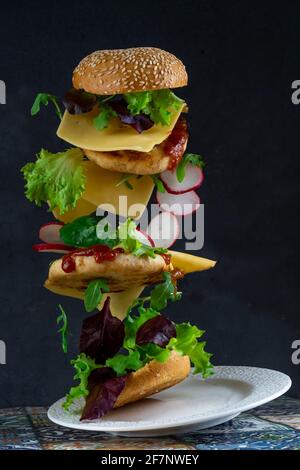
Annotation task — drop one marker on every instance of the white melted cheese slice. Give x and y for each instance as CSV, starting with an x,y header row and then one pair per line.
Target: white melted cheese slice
x,y
79,130
190,263
103,190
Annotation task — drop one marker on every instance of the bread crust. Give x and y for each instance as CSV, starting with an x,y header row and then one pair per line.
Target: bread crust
x,y
153,378
109,72
125,271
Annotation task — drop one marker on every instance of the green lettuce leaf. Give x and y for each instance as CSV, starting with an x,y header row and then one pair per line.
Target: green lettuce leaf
x,y
157,104
134,322
56,178
186,343
94,293
45,99
83,365
122,364
82,232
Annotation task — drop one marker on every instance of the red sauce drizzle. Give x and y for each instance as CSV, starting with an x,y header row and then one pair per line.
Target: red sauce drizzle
x,y
100,253
175,144
166,258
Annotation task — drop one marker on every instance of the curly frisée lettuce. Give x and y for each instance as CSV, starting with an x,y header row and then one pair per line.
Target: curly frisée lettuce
x,y
55,178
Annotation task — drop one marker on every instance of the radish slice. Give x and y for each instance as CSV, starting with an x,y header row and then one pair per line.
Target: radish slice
x,y
53,248
144,238
49,233
164,229
178,204
194,177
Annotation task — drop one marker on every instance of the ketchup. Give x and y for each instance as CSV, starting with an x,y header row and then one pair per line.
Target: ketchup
x,y
175,144
100,253
166,258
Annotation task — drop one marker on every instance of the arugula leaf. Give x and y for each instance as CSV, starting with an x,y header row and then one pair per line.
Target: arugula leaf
x,y
163,292
158,183
94,293
83,365
186,343
64,328
124,180
192,158
56,178
106,113
157,104
44,99
133,323
122,363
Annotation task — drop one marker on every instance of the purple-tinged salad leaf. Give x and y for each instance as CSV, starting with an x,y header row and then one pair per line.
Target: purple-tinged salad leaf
x,y
102,335
158,330
102,398
98,376
139,122
79,101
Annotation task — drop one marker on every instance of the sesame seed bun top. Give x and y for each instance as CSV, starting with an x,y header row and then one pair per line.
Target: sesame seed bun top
x,y
109,72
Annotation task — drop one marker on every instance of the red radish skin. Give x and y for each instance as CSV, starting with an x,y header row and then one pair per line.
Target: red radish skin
x,y
164,229
49,233
193,179
178,204
145,238
53,248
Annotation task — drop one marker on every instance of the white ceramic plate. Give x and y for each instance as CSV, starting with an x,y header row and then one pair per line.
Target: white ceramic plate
x,y
190,405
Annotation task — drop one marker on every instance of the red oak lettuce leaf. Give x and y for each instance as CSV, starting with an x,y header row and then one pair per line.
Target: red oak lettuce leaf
x,y
102,335
79,101
158,330
102,398
139,122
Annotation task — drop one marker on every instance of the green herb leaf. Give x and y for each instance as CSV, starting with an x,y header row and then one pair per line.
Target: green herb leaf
x,y
83,365
163,292
123,364
94,293
106,113
64,329
44,99
158,183
125,180
56,178
129,240
192,158
186,343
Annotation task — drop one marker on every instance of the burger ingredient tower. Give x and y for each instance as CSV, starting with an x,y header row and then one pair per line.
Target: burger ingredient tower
x,y
129,134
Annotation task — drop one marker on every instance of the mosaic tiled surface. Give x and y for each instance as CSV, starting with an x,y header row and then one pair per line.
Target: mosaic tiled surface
x,y
275,425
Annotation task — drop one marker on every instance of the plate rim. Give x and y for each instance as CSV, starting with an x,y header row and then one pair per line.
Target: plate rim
x,y
125,426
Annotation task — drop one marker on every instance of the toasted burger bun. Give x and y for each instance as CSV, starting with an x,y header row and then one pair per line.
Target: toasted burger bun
x,y
152,378
109,72
125,271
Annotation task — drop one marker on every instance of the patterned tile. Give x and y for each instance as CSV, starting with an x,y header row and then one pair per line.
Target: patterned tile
x,y
275,425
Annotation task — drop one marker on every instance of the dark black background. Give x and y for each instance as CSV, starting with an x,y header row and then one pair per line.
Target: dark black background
x,y
241,58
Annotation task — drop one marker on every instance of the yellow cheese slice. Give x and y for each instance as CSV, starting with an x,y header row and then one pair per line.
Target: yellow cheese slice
x,y
190,263
80,131
102,189
82,208
119,301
